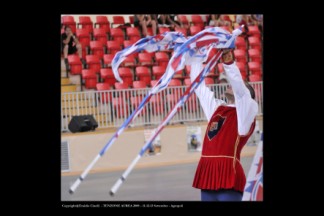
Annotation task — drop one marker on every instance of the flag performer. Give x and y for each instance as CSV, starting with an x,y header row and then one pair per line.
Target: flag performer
x,y
195,42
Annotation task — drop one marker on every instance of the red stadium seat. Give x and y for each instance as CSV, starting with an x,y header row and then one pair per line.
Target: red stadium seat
x,y
84,52
255,68
197,21
133,33
97,48
139,84
182,30
152,54
90,78
105,97
117,35
100,35
240,43
209,81
153,82
254,31
120,86
128,43
108,76
131,19
254,43
129,61
240,55
86,23
75,64
162,58
195,29
118,20
143,74
93,63
255,55
108,59
158,71
149,31
113,47
103,23
83,37
103,86
69,21
183,19
187,82
163,29
145,59
126,75
255,78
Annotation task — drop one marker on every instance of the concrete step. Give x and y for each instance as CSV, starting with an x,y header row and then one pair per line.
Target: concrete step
x,y
68,88
65,81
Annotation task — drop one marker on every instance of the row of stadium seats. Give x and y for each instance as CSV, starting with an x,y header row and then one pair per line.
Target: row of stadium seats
x,y
103,42
103,22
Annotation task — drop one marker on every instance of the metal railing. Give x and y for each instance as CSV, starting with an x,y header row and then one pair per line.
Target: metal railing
x,y
111,108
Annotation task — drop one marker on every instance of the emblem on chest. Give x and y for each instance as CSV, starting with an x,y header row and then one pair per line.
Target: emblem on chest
x,y
215,126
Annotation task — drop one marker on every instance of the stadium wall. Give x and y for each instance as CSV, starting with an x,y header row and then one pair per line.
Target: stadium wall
x,y
83,147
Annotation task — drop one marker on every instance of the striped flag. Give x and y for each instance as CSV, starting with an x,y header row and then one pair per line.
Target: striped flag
x,y
253,190
196,50
165,41
187,51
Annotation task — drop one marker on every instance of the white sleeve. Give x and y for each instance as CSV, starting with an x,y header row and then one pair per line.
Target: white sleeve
x,y
246,107
206,97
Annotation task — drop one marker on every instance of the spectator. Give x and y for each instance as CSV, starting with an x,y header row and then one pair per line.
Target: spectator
x,y
70,44
257,19
144,21
215,20
245,20
168,20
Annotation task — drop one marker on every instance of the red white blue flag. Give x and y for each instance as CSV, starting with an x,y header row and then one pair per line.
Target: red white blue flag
x,y
253,190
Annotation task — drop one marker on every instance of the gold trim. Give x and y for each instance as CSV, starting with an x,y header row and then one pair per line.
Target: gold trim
x,y
220,156
235,149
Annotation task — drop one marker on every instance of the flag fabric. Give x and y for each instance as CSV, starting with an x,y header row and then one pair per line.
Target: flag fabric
x,y
195,50
186,50
253,190
165,41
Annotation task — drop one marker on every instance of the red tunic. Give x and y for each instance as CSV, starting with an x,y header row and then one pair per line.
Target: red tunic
x,y
219,166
